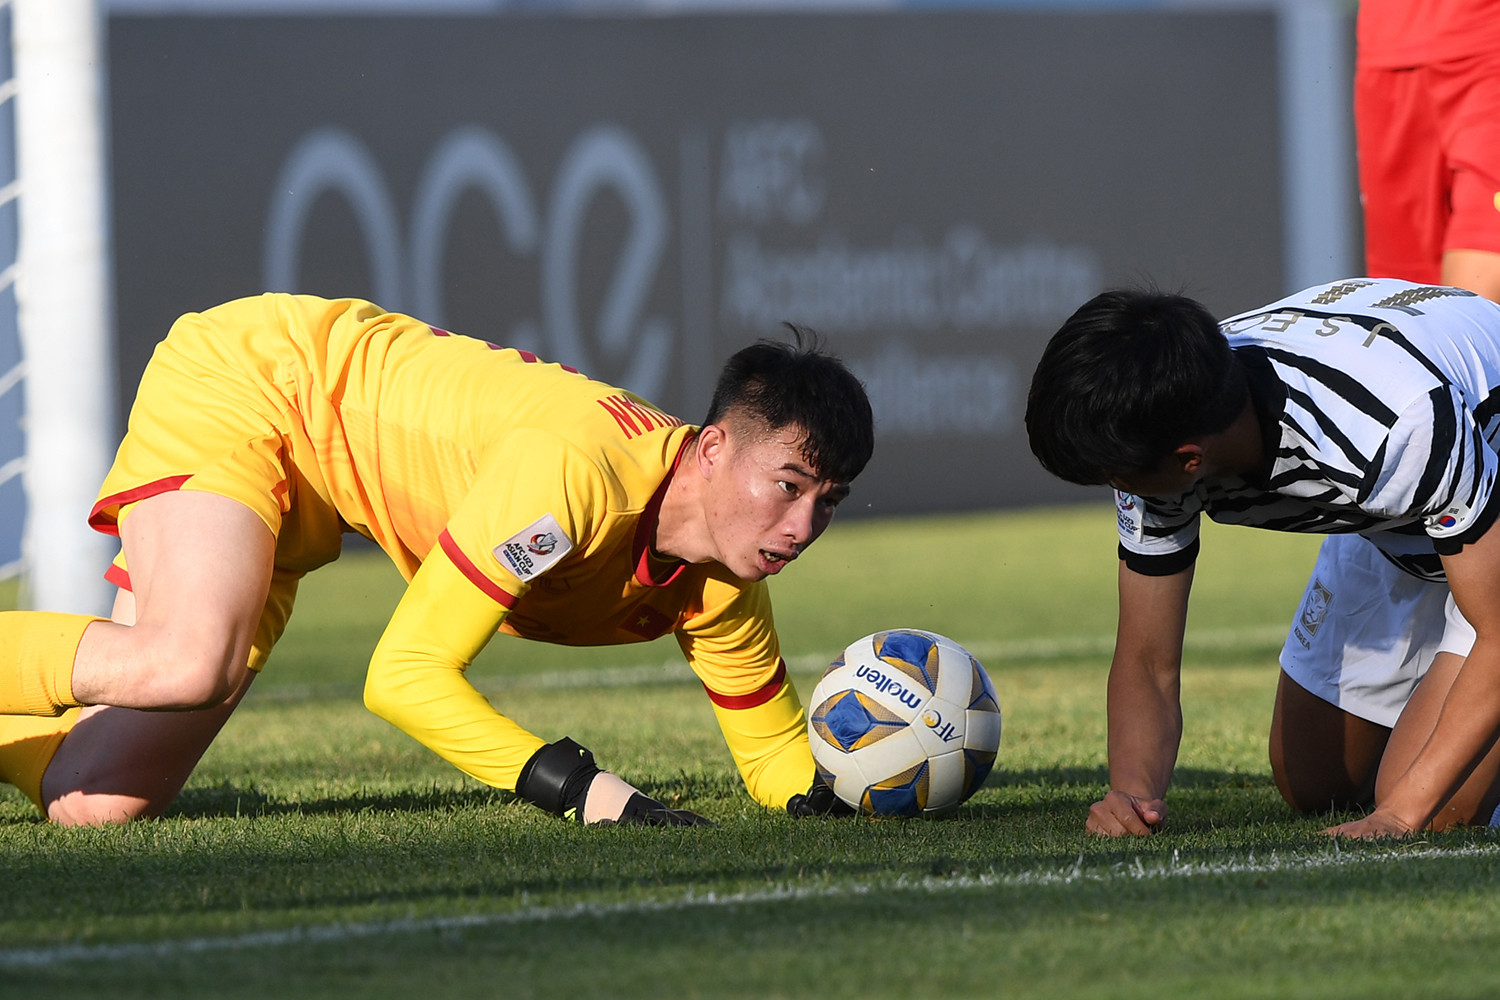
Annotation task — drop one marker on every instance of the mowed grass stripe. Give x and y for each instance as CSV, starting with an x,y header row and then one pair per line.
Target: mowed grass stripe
x,y
1257,639
1335,857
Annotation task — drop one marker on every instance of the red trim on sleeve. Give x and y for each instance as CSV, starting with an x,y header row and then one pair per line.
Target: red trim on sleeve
x,y
466,566
754,699
132,495
117,576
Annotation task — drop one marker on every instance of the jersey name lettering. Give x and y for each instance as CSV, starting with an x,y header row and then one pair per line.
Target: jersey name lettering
x,y
636,418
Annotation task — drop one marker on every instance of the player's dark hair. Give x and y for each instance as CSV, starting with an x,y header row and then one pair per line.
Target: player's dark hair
x,y
1132,375
799,385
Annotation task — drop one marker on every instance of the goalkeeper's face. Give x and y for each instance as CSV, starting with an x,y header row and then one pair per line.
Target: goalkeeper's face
x,y
765,503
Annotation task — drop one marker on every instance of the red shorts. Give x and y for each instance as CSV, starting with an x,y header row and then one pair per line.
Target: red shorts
x,y
1429,164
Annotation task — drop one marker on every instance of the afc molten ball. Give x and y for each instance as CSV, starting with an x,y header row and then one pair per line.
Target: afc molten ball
x,y
904,723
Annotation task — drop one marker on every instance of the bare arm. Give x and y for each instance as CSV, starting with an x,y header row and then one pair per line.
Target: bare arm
x,y
1145,710
1469,720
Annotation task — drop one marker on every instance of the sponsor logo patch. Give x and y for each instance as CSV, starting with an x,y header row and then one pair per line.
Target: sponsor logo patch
x,y
1128,515
1314,610
534,549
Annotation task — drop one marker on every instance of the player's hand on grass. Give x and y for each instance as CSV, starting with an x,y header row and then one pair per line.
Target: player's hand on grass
x,y
1120,814
612,800
818,800
563,779
1376,825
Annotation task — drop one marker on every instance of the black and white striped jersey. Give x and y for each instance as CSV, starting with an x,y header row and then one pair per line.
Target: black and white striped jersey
x,y
1380,400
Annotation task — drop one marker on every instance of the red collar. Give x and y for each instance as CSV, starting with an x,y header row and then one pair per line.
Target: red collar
x,y
646,527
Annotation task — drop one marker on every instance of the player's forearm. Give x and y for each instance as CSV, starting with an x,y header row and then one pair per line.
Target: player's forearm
x,y
1145,729
435,705
1466,728
1145,708
417,683
769,746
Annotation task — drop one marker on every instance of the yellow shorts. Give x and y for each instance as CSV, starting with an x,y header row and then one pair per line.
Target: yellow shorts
x,y
210,419
210,416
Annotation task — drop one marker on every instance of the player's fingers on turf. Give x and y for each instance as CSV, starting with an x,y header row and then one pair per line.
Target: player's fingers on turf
x,y
1368,828
1151,811
1359,829
1127,809
1113,816
681,817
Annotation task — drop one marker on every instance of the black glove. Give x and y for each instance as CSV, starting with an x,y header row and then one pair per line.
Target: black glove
x,y
558,777
645,811
819,800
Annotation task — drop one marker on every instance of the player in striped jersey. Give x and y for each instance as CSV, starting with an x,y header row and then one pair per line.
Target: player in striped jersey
x,y
1363,408
512,494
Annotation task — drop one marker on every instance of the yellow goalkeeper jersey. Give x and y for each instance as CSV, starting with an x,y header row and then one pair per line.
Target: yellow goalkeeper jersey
x,y
513,494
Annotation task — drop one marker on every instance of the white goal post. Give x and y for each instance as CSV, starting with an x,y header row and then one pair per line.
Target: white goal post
x,y
65,297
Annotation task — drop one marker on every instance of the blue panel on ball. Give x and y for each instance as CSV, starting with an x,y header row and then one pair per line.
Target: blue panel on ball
x,y
903,794
913,648
847,720
977,767
894,801
983,694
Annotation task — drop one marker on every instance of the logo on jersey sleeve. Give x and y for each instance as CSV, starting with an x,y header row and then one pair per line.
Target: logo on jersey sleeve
x,y
1455,515
1128,515
534,549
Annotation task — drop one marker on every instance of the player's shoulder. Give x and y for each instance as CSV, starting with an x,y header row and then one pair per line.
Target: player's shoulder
x,y
635,444
723,599
1392,301
1377,332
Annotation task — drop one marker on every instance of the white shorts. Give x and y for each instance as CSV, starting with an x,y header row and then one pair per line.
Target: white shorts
x,y
1366,631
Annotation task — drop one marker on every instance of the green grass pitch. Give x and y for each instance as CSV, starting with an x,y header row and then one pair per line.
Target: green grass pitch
x,y
319,852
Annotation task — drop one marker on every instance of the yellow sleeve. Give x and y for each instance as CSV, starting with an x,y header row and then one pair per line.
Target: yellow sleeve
x,y
416,680
533,501
734,650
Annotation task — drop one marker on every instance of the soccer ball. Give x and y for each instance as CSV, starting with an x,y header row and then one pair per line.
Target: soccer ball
x,y
904,723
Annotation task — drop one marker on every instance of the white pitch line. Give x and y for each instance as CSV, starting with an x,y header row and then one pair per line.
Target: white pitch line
x,y
693,900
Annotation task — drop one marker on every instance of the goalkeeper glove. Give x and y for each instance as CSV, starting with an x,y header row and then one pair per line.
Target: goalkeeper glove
x,y
562,778
818,800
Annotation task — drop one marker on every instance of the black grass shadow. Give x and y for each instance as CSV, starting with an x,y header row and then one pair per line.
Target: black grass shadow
x,y
1200,799
231,801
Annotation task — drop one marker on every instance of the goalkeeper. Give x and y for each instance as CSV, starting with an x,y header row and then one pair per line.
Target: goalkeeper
x,y
512,494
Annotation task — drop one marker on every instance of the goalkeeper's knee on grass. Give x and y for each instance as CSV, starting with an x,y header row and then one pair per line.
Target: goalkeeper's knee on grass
x,y
563,779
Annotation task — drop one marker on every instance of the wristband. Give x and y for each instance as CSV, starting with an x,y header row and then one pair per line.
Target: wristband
x,y
557,777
